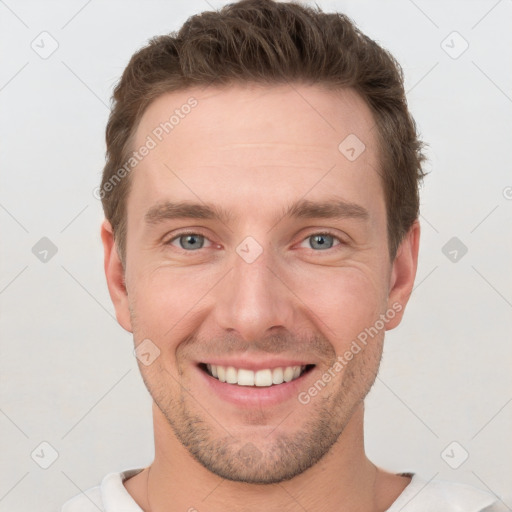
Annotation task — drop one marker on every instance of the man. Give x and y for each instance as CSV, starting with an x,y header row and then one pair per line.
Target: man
x,y
276,141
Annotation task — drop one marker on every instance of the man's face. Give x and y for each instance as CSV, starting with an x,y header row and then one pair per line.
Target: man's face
x,y
260,290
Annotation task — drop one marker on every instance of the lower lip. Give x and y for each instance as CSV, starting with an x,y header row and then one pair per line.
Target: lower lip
x,y
248,397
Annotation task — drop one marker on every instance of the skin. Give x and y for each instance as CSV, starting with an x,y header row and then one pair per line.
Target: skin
x,y
253,150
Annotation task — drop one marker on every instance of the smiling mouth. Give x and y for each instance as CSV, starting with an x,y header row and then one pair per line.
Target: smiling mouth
x,y
261,378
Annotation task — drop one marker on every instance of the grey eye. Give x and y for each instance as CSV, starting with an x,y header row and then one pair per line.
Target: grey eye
x,y
191,241
322,241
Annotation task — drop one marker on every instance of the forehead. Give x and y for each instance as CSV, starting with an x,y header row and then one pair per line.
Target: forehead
x,y
250,113
281,139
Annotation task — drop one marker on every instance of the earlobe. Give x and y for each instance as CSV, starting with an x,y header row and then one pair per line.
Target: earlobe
x,y
403,273
115,274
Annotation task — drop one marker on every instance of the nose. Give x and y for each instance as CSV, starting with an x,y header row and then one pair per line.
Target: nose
x,y
255,297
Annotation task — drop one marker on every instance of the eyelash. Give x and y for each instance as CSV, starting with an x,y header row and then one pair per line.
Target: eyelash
x,y
329,233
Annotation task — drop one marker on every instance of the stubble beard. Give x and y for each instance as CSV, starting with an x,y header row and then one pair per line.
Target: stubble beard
x,y
281,456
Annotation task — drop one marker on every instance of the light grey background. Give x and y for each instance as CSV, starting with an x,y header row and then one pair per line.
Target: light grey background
x,y
69,376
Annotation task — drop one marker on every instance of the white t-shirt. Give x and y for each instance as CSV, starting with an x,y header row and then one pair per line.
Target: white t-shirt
x,y
419,496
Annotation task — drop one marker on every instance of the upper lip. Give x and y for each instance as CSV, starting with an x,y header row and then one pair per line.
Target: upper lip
x,y
256,364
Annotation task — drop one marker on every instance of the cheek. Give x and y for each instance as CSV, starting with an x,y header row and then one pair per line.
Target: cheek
x,y
169,304
344,301
341,302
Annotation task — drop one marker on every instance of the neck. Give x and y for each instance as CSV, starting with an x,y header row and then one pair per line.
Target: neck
x,y
343,476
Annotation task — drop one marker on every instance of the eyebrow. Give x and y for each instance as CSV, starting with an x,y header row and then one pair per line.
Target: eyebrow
x,y
301,209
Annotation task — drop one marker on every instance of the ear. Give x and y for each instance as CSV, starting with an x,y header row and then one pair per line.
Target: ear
x,y
403,273
114,273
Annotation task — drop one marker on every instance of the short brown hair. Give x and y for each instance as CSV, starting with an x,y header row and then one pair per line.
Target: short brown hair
x,y
264,41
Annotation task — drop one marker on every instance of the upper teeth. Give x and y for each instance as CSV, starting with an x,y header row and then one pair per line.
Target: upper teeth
x,y
244,377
